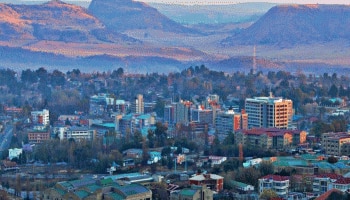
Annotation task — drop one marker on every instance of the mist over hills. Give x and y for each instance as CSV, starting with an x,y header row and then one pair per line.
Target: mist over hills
x,y
124,33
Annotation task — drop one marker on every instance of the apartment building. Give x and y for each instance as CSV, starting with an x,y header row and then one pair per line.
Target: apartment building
x,y
269,112
279,184
41,117
230,121
336,144
268,138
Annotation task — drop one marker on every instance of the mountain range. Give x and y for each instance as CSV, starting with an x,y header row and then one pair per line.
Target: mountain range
x,y
123,33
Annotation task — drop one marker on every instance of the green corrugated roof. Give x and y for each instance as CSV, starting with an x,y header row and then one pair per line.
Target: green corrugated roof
x,y
81,194
61,192
188,192
239,184
93,187
65,184
106,181
115,196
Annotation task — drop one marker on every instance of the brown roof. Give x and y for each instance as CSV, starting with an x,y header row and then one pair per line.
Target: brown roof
x,y
326,195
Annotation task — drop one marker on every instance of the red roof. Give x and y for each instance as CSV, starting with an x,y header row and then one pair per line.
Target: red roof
x,y
276,177
329,175
344,181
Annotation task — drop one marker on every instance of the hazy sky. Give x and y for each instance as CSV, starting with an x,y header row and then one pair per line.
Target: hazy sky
x,y
244,1
220,1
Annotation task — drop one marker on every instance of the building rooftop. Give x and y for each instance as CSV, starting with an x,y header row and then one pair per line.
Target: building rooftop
x,y
188,192
276,177
202,177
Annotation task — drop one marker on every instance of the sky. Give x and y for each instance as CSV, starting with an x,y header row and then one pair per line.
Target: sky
x,y
245,1
192,2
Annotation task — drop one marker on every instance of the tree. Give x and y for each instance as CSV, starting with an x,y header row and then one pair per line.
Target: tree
x,y
266,168
333,91
145,153
268,194
230,165
161,134
332,159
248,175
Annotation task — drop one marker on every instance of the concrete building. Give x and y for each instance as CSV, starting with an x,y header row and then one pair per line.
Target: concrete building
x,y
212,181
193,131
14,153
326,182
241,187
170,113
230,121
38,136
268,138
336,144
101,103
202,115
269,112
193,193
279,184
182,110
41,117
78,133
138,105
90,189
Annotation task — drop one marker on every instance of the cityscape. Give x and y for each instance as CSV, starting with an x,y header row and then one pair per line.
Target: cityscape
x,y
174,100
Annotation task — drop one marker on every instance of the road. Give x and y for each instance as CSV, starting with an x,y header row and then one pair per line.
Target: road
x,y
5,139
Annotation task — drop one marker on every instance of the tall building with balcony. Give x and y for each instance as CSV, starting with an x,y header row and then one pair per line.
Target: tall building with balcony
x,y
138,105
279,184
269,112
41,117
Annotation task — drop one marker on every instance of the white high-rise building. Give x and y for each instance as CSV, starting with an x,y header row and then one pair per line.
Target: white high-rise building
x,y
139,104
269,112
41,117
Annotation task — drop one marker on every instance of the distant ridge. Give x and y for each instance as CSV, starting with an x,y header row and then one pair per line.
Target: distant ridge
x,y
121,15
287,25
54,21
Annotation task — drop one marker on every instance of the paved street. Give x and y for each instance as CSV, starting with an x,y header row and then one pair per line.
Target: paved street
x,y
5,139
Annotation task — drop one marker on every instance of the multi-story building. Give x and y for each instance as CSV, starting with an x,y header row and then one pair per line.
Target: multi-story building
x,y
336,144
101,103
78,133
202,115
131,122
182,110
193,131
229,121
268,112
193,193
213,181
268,138
138,105
279,184
36,136
324,182
41,117
170,113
